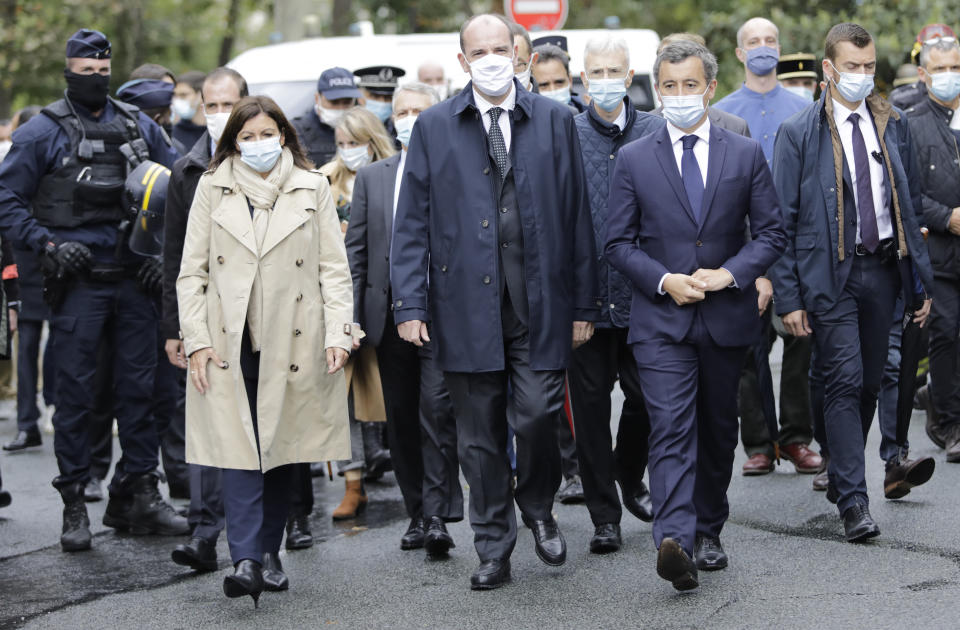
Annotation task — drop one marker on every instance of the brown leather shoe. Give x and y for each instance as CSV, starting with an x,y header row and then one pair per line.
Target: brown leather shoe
x,y
354,501
821,480
803,459
759,464
905,474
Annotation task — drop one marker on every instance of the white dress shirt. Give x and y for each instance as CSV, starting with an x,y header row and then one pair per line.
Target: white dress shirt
x,y
504,121
701,151
841,117
396,186
621,118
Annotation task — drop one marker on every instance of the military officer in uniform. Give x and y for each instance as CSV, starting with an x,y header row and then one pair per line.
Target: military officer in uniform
x,y
378,83
336,93
61,194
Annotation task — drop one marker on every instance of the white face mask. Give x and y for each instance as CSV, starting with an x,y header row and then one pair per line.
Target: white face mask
x,y
800,90
561,96
5,147
524,78
683,111
329,117
404,127
355,158
492,74
442,90
216,123
183,108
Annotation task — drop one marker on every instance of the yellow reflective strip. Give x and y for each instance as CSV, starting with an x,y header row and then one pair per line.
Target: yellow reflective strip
x,y
149,172
153,180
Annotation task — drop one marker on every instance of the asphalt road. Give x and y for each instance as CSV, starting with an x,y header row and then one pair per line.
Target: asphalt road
x,y
789,567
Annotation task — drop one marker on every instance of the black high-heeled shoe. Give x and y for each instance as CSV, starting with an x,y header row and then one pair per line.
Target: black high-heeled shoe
x,y
247,579
274,579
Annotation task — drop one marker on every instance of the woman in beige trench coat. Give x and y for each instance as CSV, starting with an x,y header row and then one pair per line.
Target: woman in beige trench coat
x,y
265,308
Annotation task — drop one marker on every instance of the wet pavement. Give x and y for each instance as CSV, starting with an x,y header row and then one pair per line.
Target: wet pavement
x,y
789,566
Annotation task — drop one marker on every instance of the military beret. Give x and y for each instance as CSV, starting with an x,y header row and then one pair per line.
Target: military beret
x,y
381,80
797,66
89,44
146,93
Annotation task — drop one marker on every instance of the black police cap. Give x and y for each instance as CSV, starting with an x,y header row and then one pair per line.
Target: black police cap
x,y
89,44
559,41
380,79
797,66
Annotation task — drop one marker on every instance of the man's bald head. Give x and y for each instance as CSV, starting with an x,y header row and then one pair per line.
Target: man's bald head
x,y
430,72
757,29
485,26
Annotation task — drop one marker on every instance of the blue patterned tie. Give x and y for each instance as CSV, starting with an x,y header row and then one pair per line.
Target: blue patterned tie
x,y
692,178
869,233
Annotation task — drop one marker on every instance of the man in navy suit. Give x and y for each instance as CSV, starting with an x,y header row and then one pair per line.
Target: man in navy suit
x,y
679,201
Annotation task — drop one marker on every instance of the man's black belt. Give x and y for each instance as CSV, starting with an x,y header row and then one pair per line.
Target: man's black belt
x,y
109,273
885,249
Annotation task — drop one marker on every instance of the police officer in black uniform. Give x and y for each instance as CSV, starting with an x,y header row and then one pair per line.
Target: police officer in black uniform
x,y
336,93
61,194
378,83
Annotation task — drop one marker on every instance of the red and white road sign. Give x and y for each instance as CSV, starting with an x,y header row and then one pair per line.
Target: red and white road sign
x,y
538,15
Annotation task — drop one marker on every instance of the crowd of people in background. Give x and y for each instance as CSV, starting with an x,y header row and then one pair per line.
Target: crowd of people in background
x,y
412,279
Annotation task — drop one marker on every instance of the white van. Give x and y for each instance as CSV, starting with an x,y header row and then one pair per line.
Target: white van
x,y
288,72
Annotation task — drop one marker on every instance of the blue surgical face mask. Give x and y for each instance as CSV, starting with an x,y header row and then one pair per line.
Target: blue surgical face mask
x,y
853,86
379,109
945,85
261,155
561,96
683,111
800,90
404,127
607,94
762,60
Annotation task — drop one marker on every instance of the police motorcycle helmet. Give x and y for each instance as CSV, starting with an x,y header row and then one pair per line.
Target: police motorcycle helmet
x,y
146,196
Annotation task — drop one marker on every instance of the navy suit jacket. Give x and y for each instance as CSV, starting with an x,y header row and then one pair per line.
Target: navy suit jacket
x,y
651,231
447,224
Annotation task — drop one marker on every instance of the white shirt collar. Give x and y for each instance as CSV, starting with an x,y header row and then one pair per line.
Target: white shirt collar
x,y
841,113
621,120
702,132
484,105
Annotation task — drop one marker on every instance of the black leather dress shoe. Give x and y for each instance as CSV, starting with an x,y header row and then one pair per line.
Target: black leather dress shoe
x,y
548,541
858,525
905,474
638,502
24,439
93,491
676,567
709,553
5,499
490,574
298,533
606,538
437,540
247,579
274,579
413,538
199,554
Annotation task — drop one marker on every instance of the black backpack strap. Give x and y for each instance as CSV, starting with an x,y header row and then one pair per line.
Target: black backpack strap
x,y
60,113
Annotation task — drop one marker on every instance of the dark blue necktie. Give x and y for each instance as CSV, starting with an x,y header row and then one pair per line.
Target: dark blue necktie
x,y
869,234
692,178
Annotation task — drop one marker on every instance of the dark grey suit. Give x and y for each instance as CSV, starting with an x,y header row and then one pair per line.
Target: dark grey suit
x,y
420,420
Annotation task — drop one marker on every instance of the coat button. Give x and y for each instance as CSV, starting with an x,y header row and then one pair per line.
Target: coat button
x,y
599,302
612,156
484,224
223,329
503,210
486,279
220,259
486,171
225,365
933,166
443,268
299,262
613,306
297,333
699,243
399,303
831,190
384,290
300,297
504,244
294,367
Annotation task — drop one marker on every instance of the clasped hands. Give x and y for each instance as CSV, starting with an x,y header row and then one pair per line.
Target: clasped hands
x,y
686,289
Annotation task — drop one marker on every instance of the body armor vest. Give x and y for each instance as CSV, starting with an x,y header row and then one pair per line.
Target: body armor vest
x,y
87,186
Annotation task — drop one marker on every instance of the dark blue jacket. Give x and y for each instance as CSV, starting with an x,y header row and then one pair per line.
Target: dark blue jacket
x,y
600,142
446,227
38,147
651,231
811,275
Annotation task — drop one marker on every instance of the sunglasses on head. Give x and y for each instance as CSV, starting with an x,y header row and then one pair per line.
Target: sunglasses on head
x,y
939,38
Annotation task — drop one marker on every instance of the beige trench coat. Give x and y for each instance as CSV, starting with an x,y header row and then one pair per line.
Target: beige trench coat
x,y
307,300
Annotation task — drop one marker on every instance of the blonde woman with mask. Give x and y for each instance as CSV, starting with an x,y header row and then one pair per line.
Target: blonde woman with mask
x,y
361,139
